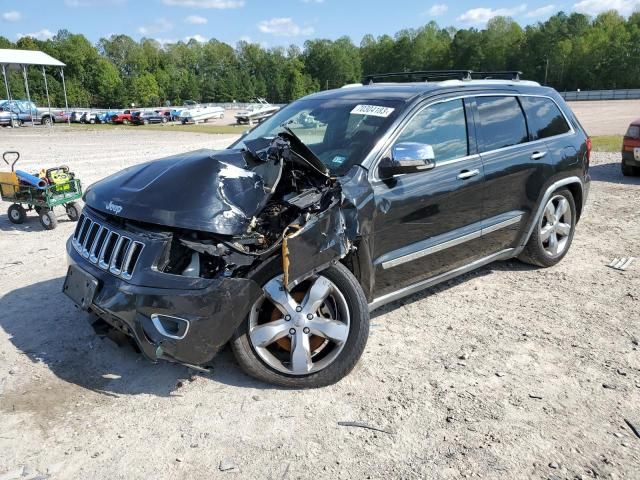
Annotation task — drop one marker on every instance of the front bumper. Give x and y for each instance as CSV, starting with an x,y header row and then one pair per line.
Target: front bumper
x,y
213,313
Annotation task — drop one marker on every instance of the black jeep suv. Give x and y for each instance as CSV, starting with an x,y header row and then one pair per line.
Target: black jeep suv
x,y
341,202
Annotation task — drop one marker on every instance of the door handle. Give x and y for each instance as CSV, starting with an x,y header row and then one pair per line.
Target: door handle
x,y
465,174
537,155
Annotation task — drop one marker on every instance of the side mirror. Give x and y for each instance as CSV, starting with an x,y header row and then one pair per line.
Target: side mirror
x,y
410,157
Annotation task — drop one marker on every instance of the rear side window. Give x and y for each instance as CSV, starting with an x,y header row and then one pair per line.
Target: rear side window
x,y
545,118
441,125
502,122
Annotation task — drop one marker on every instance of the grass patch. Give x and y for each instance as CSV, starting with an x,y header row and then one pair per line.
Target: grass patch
x,y
606,143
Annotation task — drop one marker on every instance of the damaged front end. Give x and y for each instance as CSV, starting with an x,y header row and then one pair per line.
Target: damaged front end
x,y
299,217
204,223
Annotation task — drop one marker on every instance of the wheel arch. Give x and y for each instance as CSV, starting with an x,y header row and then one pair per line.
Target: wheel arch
x,y
573,184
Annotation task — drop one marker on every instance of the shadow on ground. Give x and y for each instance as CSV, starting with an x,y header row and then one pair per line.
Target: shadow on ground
x,y
46,327
612,173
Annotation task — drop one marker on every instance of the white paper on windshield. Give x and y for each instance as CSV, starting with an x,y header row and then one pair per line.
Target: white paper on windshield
x,y
373,110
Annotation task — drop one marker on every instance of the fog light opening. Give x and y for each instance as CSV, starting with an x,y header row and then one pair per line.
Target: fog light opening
x,y
169,326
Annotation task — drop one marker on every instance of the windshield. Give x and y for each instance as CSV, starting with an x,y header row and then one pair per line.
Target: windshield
x,y
339,132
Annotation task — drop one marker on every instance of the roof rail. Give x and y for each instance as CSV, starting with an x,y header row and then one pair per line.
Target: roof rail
x,y
439,75
423,75
497,75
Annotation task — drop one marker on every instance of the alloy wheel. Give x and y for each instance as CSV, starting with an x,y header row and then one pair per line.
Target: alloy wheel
x,y
302,331
555,226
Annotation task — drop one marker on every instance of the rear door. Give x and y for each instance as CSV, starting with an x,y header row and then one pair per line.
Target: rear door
x,y
429,222
514,167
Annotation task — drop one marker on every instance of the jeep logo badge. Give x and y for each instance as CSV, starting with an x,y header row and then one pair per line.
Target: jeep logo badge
x,y
114,207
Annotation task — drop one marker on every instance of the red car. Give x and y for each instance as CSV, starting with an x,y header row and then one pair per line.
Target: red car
x,y
631,150
123,118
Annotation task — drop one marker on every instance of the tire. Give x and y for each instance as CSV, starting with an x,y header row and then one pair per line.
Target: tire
x,y
125,122
628,170
15,123
145,122
164,120
73,211
333,360
184,122
48,219
17,214
92,121
540,251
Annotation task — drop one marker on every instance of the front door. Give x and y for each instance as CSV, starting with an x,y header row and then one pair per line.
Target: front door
x,y
429,222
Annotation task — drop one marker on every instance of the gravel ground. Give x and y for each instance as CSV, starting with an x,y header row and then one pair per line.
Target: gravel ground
x,y
508,372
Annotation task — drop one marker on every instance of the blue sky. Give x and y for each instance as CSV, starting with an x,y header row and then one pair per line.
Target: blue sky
x,y
271,23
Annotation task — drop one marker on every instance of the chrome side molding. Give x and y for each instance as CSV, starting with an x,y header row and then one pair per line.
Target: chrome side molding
x,y
443,277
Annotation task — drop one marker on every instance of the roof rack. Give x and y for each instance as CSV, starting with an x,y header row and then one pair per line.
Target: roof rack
x,y
439,75
424,75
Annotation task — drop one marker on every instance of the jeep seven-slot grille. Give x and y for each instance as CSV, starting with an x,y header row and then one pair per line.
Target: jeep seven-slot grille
x,y
106,248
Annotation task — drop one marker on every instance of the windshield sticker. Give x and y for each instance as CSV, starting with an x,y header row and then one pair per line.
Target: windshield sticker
x,y
373,110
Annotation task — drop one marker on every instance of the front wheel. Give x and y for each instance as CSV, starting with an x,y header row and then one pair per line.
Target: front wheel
x,y
553,233
17,214
309,337
48,219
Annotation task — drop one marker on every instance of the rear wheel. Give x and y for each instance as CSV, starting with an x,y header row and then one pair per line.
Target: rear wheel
x,y
73,211
16,213
310,337
628,170
553,234
48,219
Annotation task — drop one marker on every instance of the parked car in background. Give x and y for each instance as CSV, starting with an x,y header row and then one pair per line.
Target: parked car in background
x,y
28,112
281,244
105,117
89,117
8,118
147,117
76,115
123,118
631,150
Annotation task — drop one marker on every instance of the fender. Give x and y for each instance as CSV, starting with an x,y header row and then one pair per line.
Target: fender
x,y
545,198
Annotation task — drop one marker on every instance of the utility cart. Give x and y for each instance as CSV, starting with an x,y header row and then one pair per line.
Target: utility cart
x,y
55,187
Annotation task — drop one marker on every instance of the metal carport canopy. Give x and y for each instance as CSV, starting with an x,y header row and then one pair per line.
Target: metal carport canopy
x,y
25,58
28,57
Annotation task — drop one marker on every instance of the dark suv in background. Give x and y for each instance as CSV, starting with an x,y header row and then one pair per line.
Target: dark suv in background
x,y
341,202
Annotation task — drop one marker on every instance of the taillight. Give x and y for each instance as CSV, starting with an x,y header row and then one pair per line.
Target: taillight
x,y
588,148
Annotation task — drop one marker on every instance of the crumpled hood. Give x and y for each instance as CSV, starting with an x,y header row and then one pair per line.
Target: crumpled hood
x,y
211,191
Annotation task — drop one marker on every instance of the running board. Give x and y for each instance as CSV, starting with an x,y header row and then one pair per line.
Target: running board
x,y
443,277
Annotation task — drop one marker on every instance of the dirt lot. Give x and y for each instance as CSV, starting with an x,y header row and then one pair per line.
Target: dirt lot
x,y
508,372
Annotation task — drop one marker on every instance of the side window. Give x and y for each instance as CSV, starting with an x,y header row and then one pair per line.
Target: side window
x,y
502,122
544,116
443,126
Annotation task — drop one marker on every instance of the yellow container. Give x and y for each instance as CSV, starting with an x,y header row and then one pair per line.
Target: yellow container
x,y
8,184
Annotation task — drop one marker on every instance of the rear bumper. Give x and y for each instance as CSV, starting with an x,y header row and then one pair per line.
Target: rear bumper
x,y
207,316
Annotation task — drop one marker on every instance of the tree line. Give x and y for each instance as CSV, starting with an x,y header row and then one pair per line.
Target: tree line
x,y
567,52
